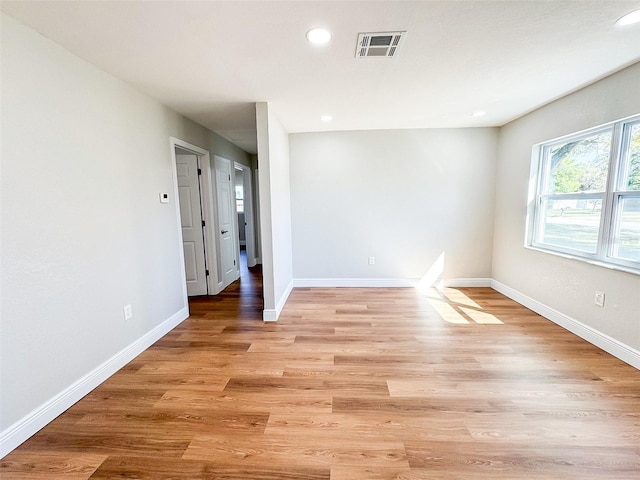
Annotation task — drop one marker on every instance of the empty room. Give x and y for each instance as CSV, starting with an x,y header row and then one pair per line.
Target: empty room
x,y
305,240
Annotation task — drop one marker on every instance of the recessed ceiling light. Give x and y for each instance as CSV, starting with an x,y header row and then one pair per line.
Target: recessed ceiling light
x,y
629,18
478,114
319,36
326,118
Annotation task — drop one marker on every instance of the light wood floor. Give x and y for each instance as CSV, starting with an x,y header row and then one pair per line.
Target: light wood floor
x,y
352,384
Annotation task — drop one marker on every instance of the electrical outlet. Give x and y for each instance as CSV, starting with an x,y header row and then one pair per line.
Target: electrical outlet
x,y
128,312
598,299
372,260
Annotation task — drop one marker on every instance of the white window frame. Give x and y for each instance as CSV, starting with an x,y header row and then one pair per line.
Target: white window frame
x,y
611,198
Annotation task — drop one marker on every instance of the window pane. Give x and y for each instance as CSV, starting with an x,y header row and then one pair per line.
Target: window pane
x,y
627,235
632,172
579,165
571,224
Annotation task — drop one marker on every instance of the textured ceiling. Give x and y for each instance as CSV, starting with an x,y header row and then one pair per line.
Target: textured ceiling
x,y
211,60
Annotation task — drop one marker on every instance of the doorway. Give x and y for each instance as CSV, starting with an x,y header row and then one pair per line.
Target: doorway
x,y
194,209
245,213
206,208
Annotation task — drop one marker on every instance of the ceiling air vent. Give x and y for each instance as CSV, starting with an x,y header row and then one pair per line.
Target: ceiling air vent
x,y
381,44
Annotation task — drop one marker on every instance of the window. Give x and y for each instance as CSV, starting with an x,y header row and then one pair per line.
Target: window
x,y
586,202
239,199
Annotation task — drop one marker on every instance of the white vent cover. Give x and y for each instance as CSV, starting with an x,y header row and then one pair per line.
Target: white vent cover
x,y
380,44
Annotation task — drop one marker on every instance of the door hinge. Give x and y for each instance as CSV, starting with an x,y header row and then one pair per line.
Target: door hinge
x,y
234,262
229,177
203,223
206,272
199,171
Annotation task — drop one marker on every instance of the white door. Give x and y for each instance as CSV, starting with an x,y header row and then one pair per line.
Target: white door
x,y
226,213
192,225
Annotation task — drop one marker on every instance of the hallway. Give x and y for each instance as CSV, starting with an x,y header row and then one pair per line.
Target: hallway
x,y
242,298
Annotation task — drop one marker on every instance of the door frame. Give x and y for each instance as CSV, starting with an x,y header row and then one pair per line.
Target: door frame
x,y
257,227
208,211
249,231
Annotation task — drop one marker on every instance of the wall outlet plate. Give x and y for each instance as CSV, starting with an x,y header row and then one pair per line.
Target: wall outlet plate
x,y
598,299
128,312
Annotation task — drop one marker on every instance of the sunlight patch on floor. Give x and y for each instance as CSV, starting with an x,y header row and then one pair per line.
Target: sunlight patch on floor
x,y
482,318
447,312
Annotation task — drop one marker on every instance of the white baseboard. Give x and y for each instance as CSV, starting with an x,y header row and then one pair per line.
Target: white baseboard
x,y
465,282
272,315
386,282
13,436
611,345
269,315
354,282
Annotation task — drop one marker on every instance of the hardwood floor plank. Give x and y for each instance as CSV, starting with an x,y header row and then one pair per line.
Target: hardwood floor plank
x,y
286,385
362,428
403,360
554,461
413,406
355,372
196,401
171,376
351,472
296,451
182,469
144,444
518,428
178,425
426,386
51,466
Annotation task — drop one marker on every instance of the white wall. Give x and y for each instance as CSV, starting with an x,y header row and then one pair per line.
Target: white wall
x,y
84,158
218,145
565,285
275,211
402,196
